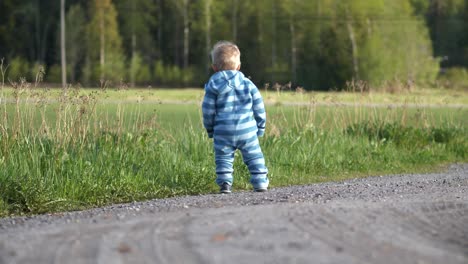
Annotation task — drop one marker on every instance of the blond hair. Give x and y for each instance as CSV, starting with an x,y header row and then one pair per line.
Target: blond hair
x,y
225,56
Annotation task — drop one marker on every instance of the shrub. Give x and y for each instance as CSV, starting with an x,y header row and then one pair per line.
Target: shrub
x,y
54,74
139,70
18,68
454,78
173,75
159,71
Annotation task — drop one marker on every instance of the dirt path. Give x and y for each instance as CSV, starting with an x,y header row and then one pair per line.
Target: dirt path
x,y
391,219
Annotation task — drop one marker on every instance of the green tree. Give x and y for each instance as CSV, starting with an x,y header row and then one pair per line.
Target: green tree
x,y
183,8
373,41
464,41
318,44
253,39
7,25
448,30
104,42
75,24
208,25
28,29
19,68
397,46
63,55
137,19
139,70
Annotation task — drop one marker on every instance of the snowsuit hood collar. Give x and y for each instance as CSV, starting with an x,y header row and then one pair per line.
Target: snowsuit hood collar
x,y
225,81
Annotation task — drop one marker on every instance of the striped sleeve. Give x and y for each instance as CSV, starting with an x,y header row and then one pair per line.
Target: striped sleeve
x,y
209,110
258,109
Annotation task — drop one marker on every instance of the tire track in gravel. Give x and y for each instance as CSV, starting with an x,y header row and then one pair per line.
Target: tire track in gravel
x,y
141,241
360,234
392,219
173,246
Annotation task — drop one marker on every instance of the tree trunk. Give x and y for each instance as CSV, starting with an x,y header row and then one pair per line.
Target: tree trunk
x,y
437,16
177,45
132,68
235,7
160,28
102,43
37,33
186,34
354,48
208,32
62,44
273,32
292,31
319,39
44,40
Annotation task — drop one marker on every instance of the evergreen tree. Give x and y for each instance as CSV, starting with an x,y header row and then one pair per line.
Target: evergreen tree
x,y
446,22
317,44
7,25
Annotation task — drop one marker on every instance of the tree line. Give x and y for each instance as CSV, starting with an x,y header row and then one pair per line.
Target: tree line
x,y
315,44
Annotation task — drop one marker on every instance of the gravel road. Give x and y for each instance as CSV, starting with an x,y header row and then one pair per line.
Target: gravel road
x,y
384,219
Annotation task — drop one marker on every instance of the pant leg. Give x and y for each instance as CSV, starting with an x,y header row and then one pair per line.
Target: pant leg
x,y
224,158
253,158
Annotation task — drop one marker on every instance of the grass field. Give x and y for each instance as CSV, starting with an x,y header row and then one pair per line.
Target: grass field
x,y
442,97
86,148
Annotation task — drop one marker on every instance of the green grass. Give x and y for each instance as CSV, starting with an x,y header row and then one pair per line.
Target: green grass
x,y
83,150
442,97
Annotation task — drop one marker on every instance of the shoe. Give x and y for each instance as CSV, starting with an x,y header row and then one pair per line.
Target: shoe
x,y
264,189
225,188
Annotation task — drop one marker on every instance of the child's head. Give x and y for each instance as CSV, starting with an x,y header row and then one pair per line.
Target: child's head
x,y
225,56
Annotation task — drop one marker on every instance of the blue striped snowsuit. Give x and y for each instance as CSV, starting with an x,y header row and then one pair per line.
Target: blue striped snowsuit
x,y
234,115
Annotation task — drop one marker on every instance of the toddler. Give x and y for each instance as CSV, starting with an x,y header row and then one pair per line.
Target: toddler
x,y
234,116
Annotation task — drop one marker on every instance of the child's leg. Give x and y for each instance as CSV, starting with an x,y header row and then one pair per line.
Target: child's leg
x,y
253,158
224,157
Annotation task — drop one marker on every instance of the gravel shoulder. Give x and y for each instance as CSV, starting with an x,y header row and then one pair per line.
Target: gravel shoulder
x,y
413,218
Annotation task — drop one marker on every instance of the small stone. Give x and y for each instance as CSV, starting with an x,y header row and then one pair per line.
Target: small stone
x,y
124,248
